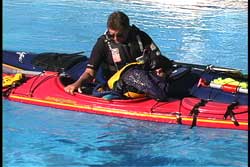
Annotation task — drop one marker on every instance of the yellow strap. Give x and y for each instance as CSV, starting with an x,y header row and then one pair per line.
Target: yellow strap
x,y
10,80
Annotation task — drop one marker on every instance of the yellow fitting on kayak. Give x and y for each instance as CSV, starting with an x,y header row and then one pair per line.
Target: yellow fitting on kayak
x,y
10,80
134,95
230,81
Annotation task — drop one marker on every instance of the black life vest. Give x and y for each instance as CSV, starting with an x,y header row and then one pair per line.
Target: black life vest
x,y
122,54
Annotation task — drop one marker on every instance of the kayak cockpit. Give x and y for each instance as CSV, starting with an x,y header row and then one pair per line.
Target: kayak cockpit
x,y
89,89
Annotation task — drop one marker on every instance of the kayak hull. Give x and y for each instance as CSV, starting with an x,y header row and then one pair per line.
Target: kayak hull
x,y
47,90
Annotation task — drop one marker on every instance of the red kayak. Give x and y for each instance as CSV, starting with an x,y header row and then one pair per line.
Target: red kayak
x,y
47,89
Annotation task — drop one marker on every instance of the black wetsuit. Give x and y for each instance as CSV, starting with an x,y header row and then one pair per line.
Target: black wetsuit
x,y
122,53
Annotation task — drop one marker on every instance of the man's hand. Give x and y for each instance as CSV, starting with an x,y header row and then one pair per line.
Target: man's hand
x,y
72,87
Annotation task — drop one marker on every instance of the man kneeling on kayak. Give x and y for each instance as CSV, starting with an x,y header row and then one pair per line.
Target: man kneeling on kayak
x,y
120,45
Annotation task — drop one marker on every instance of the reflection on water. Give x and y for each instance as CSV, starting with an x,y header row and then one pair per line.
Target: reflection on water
x,y
195,31
198,31
193,4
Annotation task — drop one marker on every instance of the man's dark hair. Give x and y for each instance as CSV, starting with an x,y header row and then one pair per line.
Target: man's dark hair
x,y
118,21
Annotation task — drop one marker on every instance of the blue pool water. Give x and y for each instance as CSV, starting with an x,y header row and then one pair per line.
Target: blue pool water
x,y
195,31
